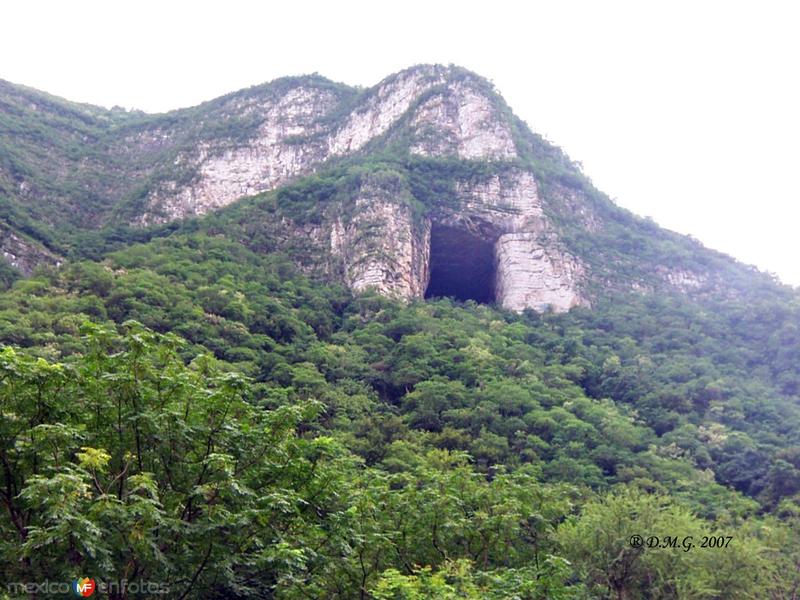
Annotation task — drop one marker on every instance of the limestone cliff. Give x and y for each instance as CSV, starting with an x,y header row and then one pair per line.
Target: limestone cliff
x,y
383,247
23,253
425,184
383,244
492,242
293,137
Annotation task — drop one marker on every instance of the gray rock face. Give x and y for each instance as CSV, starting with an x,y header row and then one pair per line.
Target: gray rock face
x,y
531,274
532,269
24,254
382,244
228,172
293,138
385,247
381,110
459,121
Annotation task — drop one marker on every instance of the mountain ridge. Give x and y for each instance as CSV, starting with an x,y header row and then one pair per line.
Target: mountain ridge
x,y
113,170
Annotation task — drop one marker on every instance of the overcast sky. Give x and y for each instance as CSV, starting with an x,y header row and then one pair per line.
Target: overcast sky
x,y
687,112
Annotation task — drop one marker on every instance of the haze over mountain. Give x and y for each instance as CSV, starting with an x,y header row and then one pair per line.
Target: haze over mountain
x,y
307,340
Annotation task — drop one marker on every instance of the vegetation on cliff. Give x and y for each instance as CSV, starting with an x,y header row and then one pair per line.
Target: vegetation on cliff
x,y
184,405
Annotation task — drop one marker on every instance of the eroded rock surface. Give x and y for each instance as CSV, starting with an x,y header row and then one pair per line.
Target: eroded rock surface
x,y
531,274
294,137
382,247
385,247
460,121
24,254
227,172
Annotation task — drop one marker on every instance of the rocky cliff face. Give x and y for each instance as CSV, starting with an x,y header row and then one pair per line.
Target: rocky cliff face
x,y
494,244
454,195
460,121
533,273
226,171
24,254
532,268
293,137
384,245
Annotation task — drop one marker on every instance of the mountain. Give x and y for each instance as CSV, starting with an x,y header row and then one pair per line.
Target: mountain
x,y
314,341
427,173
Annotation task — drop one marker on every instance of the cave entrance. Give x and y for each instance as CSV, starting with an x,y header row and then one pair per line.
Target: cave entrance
x,y
462,265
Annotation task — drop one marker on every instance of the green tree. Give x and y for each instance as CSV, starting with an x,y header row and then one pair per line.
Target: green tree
x,y
128,464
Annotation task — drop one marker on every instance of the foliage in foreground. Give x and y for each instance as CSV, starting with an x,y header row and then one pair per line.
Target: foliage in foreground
x,y
125,463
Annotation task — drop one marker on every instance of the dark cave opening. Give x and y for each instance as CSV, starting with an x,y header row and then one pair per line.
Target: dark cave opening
x,y
462,265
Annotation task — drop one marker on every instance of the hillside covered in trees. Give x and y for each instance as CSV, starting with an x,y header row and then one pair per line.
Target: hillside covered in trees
x,y
205,405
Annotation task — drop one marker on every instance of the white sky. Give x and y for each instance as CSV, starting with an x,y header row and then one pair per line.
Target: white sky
x,y
687,112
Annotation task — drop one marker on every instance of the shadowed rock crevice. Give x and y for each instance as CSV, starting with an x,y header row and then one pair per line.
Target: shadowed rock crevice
x,y
462,265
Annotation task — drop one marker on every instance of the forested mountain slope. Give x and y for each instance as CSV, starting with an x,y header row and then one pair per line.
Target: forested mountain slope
x,y
201,396
430,147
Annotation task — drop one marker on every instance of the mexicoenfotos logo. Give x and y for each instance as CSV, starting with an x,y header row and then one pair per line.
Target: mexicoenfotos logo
x,y
83,587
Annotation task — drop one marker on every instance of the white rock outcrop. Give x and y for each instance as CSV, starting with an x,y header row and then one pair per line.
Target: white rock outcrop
x,y
390,102
459,121
293,138
384,247
504,202
532,275
382,243
228,172
24,254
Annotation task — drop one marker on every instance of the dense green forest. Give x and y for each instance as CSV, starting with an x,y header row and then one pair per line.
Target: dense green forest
x,y
198,409
189,412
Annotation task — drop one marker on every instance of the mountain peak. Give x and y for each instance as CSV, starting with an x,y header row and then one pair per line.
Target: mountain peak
x,y
438,182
